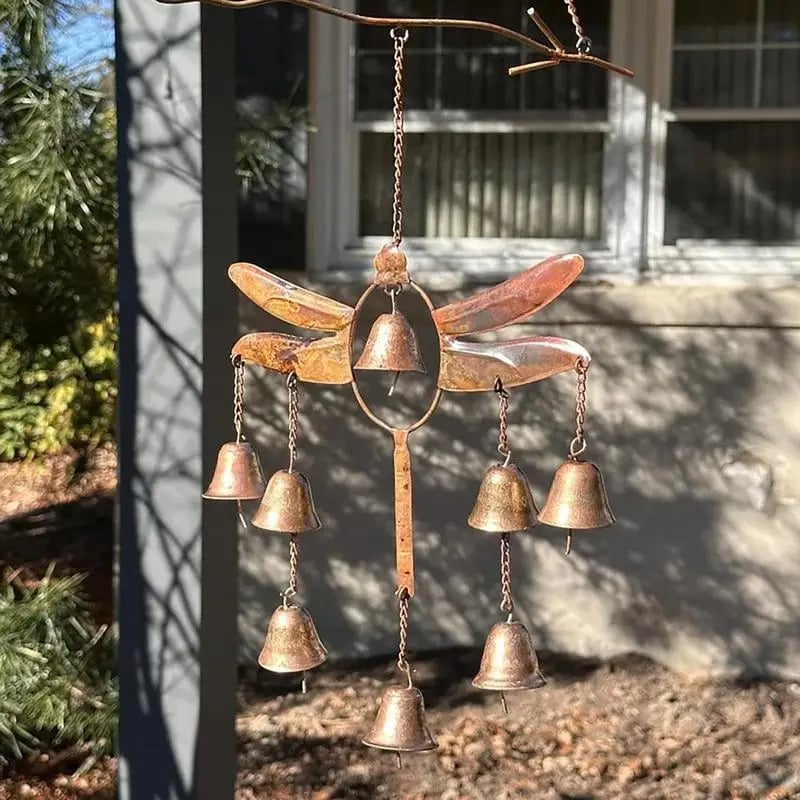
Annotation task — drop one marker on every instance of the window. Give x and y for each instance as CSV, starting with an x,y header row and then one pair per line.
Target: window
x,y
691,167
732,158
487,155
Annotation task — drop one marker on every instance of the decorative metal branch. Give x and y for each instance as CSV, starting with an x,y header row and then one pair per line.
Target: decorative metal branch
x,y
556,53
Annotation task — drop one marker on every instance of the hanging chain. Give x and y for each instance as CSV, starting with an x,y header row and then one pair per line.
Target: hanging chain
x,y
507,603
238,395
291,589
578,444
402,649
583,43
294,416
503,447
400,37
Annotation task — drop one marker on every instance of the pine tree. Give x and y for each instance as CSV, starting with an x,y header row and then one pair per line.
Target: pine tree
x,y
57,670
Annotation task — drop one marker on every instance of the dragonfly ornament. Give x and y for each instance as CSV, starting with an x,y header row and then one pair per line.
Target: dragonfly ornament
x,y
463,366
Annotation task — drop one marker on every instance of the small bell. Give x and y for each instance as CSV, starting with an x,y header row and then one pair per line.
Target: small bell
x,y
287,505
509,661
400,724
292,643
505,503
391,346
577,498
238,474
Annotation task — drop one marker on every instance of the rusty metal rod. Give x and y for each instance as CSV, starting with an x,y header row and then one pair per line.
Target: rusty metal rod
x,y
554,54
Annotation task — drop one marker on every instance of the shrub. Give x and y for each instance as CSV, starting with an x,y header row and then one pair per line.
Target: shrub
x,y
57,670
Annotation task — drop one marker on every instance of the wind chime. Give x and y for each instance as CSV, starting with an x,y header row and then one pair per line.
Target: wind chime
x,y
577,499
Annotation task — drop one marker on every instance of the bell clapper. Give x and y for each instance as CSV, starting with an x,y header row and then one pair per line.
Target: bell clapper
x,y
568,548
304,683
241,514
503,702
399,759
394,383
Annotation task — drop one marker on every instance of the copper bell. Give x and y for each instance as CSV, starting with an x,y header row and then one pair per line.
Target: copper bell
x,y
238,474
391,346
505,503
577,498
292,643
400,724
287,505
509,661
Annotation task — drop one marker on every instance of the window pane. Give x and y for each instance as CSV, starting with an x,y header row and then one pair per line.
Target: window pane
x,y
780,87
733,180
486,185
716,21
462,70
713,79
782,21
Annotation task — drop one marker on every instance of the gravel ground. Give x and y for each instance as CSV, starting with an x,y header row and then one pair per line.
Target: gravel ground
x,y
628,729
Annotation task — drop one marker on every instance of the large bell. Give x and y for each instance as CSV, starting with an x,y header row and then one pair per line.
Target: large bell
x,y
287,505
292,643
391,346
400,724
505,503
509,661
238,474
577,498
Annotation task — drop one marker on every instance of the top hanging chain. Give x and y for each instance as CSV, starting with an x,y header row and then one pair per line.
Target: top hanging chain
x,y
583,44
555,53
400,37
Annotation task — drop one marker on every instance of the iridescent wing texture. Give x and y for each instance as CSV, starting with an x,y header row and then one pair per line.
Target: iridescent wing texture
x,y
471,367
316,360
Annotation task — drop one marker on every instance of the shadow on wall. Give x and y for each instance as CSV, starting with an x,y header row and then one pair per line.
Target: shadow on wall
x,y
694,429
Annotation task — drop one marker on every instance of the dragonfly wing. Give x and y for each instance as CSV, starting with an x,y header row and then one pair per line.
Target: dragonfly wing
x,y
469,367
289,302
511,301
325,360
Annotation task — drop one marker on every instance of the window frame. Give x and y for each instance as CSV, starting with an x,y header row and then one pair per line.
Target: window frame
x,y
743,261
639,111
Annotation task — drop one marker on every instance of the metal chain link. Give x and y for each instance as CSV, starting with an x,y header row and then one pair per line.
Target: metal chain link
x,y
503,447
402,649
400,37
583,43
294,553
507,603
238,395
294,417
578,444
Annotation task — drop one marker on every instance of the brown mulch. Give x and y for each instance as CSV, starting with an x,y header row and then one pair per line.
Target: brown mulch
x,y
39,783
27,486
623,730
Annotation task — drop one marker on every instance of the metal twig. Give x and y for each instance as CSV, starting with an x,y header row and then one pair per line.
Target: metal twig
x,y
554,54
